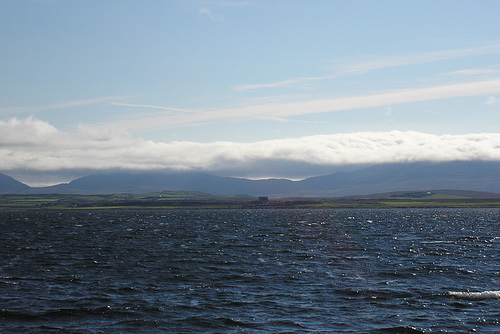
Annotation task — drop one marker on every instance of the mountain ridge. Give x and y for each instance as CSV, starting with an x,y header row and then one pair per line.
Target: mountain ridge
x,y
480,176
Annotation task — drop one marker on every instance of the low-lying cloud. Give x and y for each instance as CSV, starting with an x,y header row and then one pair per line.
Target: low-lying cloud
x,y
31,144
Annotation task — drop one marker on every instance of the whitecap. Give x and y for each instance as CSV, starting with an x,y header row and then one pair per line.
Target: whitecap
x,y
476,295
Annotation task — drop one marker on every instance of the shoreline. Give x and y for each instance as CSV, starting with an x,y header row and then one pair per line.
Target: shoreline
x,y
194,200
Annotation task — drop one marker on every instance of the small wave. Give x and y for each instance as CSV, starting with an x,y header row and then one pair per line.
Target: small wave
x,y
399,330
219,322
7,314
476,295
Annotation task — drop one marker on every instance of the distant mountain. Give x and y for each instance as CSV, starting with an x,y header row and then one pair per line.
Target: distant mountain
x,y
137,183
461,175
479,176
10,186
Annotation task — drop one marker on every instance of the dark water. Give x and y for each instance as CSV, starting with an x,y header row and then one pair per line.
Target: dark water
x,y
250,271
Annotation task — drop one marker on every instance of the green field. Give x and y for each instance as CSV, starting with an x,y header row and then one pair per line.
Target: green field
x,y
395,203
165,200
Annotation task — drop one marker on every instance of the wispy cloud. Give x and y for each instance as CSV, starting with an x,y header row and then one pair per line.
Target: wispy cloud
x,y
83,102
7,111
31,144
377,62
151,107
474,72
232,3
208,13
492,100
284,83
223,3
370,63
284,110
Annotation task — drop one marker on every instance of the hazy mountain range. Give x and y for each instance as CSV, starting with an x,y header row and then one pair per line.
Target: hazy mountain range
x,y
472,175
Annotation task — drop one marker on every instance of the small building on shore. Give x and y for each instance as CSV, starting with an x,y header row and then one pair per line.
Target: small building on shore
x,y
263,200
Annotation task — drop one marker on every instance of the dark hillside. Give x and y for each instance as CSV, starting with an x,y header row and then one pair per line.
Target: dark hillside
x,y
475,175
9,185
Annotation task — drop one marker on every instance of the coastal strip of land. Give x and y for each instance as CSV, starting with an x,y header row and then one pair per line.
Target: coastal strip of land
x,y
199,200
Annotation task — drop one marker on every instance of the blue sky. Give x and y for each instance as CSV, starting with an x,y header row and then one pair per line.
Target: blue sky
x,y
234,87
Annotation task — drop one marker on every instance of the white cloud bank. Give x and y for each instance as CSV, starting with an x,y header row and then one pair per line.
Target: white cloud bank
x,y
31,144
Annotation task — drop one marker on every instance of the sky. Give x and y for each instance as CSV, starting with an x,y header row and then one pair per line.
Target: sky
x,y
251,88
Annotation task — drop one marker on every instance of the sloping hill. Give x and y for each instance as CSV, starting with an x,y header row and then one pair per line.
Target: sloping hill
x,y
9,185
475,175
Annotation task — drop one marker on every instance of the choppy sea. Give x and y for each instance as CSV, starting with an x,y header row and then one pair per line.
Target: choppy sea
x,y
250,271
